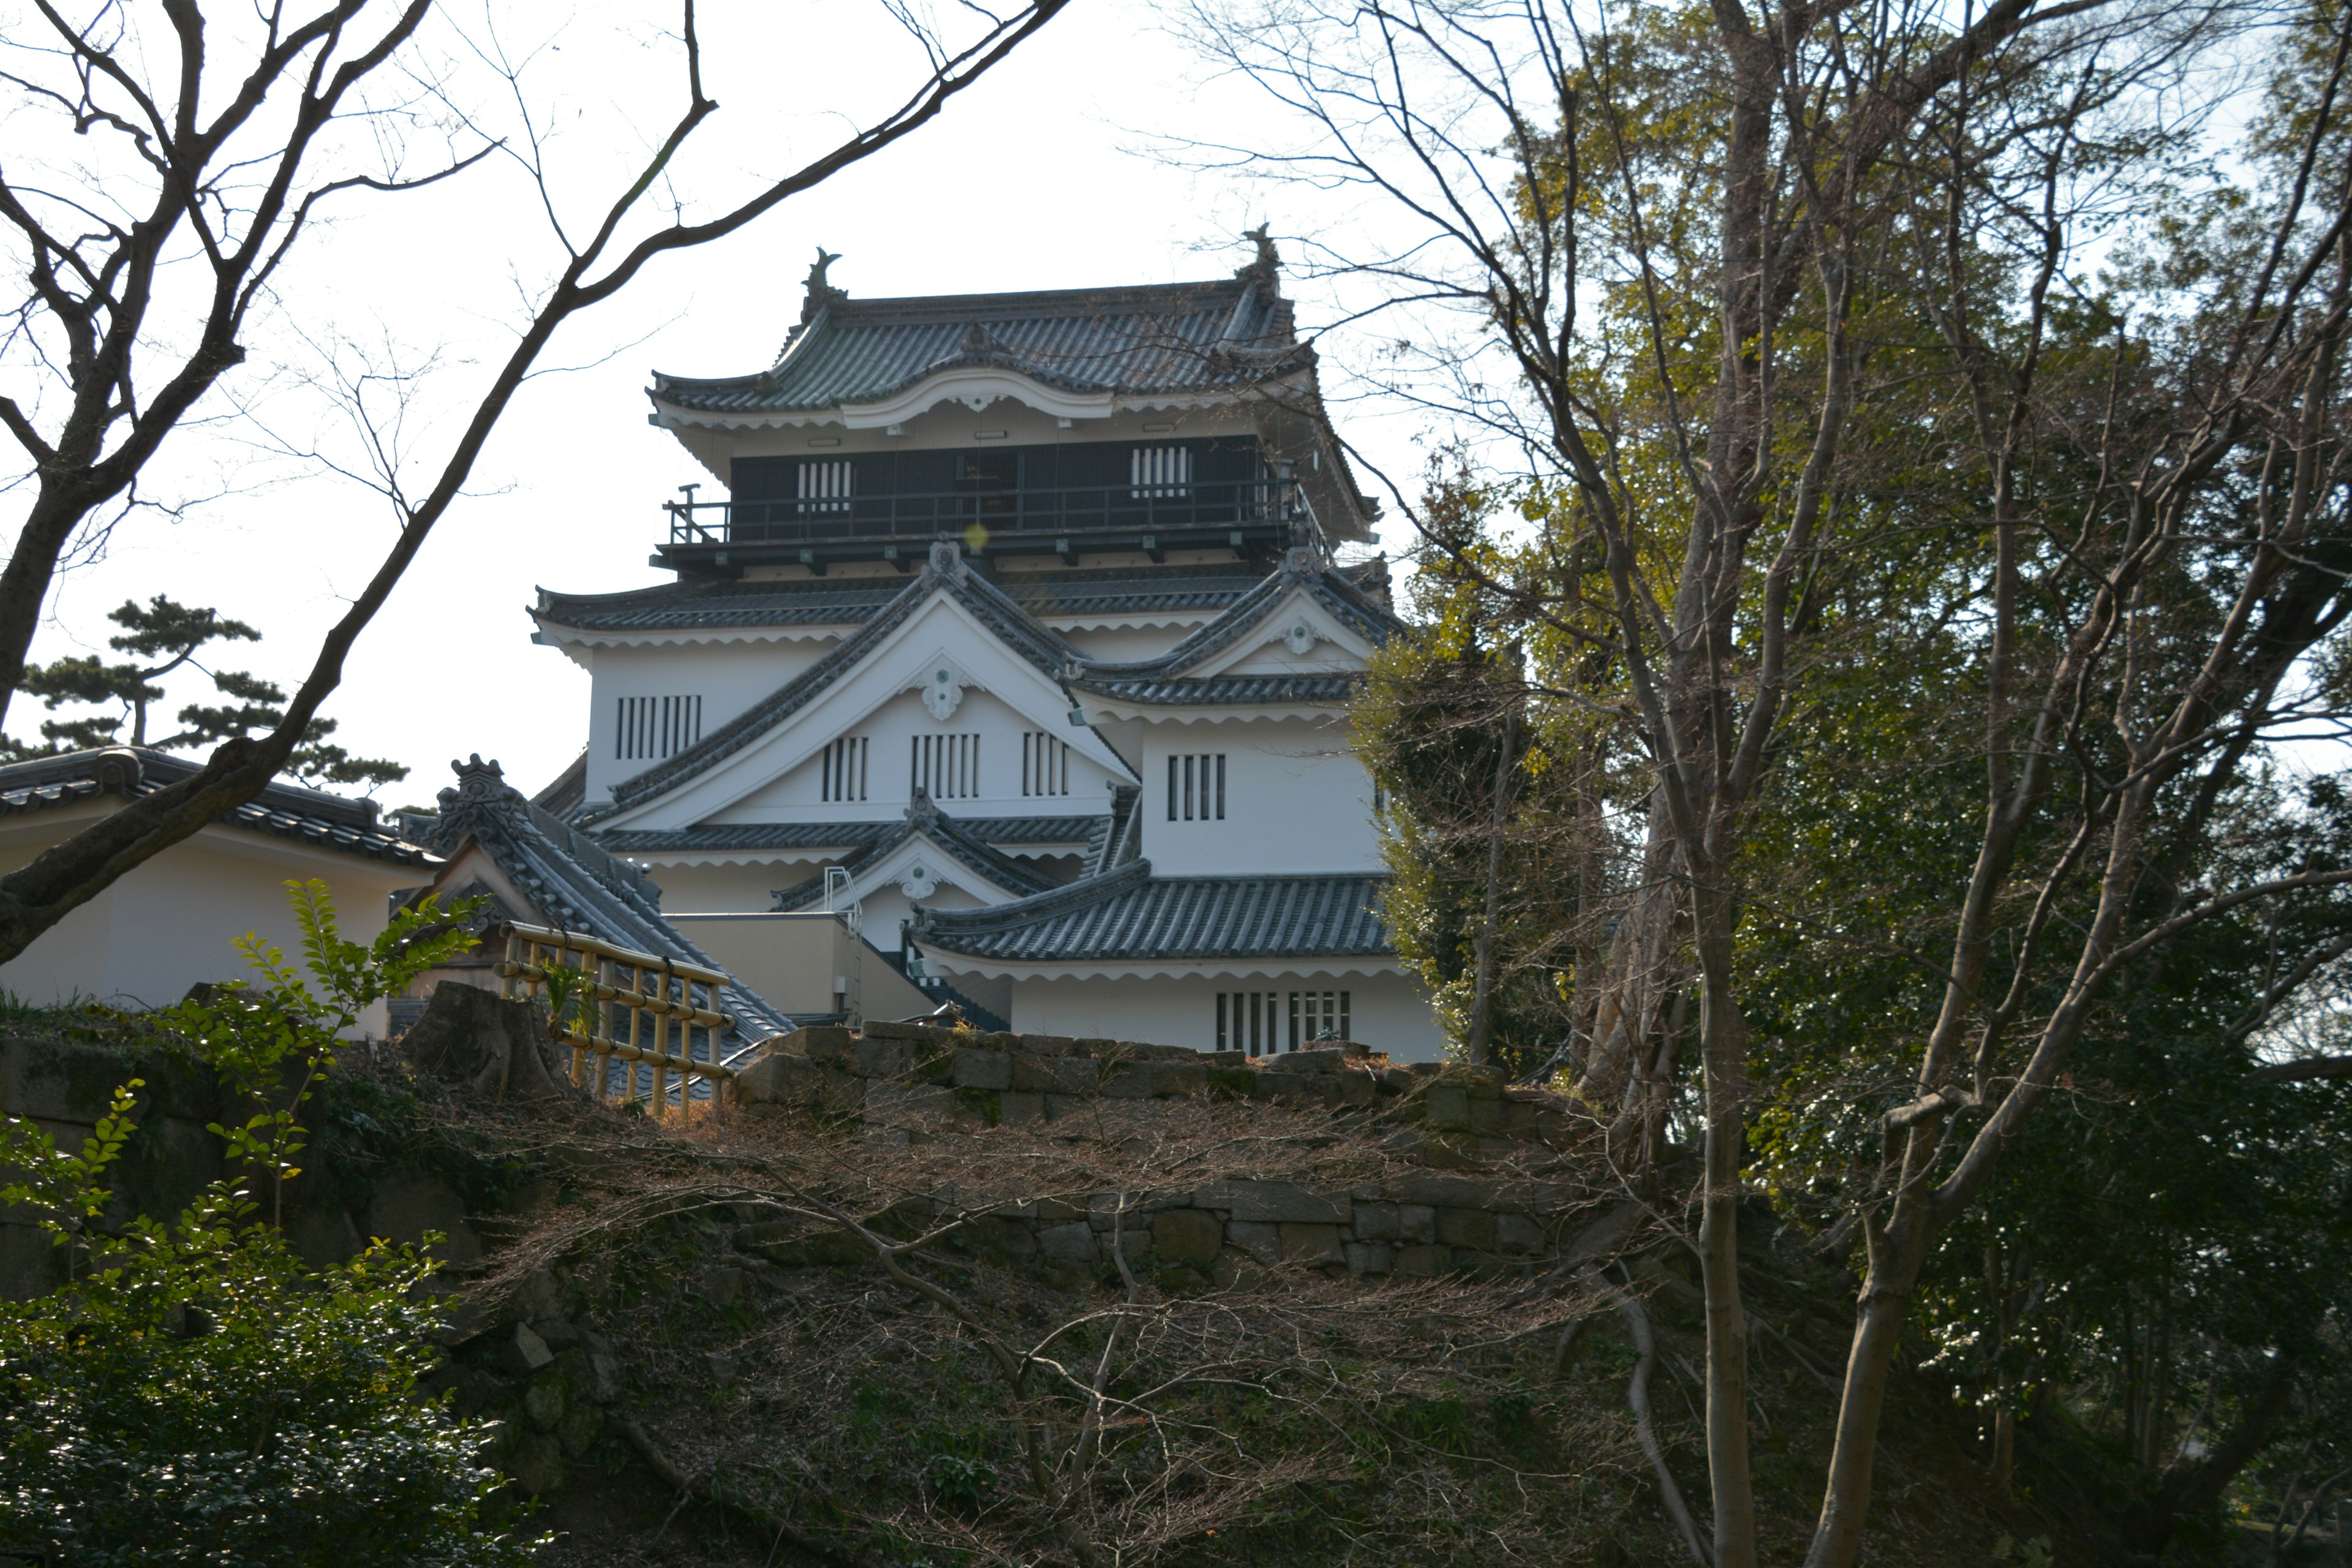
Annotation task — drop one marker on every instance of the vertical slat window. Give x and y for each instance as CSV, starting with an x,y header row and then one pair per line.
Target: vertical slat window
x,y
1319,1015
1161,473
1196,787
1044,764
825,485
842,769
1249,1021
946,767
651,727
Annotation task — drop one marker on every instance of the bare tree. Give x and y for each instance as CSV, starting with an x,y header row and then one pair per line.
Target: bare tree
x,y
220,158
1686,268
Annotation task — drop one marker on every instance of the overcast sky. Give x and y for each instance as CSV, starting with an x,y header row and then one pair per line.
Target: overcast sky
x,y
1033,180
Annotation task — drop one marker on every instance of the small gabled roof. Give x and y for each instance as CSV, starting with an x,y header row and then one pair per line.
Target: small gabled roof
x,y
571,881
282,810
1128,914
926,821
1224,335
1169,679
944,572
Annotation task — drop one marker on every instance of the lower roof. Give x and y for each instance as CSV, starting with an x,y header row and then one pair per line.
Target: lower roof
x,y
1130,915
282,810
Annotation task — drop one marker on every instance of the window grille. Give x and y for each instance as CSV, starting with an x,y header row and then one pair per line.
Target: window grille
x,y
947,767
825,485
1317,1015
1044,764
1250,1021
1161,473
657,727
842,770
1196,787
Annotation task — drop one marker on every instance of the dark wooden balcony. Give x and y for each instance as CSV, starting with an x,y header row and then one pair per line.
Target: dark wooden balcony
x,y
1248,517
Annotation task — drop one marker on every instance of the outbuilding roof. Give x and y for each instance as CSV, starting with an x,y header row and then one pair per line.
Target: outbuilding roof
x,y
284,810
925,820
1130,914
574,882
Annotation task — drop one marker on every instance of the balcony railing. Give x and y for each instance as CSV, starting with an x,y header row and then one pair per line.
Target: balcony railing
x,y
926,515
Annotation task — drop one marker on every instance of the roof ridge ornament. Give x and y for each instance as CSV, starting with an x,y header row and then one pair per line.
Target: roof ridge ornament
x,y
821,292
947,560
1266,265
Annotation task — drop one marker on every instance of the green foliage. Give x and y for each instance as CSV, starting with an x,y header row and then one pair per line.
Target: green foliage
x,y
193,1394
175,634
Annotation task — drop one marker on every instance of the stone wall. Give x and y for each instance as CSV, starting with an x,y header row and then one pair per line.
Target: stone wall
x,y
1485,1206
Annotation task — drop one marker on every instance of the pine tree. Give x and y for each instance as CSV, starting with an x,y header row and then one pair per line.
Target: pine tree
x,y
172,634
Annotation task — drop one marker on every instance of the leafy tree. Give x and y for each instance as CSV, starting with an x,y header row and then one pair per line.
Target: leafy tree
x,y
193,1394
175,634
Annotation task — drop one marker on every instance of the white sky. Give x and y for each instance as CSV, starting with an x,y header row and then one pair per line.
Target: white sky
x,y
1028,182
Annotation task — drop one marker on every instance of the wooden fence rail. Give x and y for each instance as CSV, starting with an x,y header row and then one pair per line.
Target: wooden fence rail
x,y
657,991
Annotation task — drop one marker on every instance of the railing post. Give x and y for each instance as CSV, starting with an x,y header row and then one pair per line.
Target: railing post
x,y
514,953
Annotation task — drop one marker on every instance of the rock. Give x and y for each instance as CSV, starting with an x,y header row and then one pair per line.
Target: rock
x,y
1517,1232
1452,1192
540,1295
882,1058
1056,1075
1447,1106
1314,1061
579,1428
1314,1244
1180,1078
1369,1257
543,1401
982,1069
408,1205
1130,1080
1073,1243
1019,1110
1421,1262
323,1235
722,1366
1260,1241
537,1464
719,1286
489,1045
1061,1107
1274,1203
776,1079
1473,1228
1187,1235
1376,1221
524,1352
1416,1222
821,1042
560,1335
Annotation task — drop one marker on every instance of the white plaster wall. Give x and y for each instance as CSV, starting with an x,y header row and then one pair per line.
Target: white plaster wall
x,y
1387,1012
1127,645
727,677
171,923
734,889
890,730
1296,801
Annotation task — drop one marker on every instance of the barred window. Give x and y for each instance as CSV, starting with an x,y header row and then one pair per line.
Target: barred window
x,y
824,485
947,767
1196,787
1044,764
1249,1021
1317,1015
657,727
1161,473
842,770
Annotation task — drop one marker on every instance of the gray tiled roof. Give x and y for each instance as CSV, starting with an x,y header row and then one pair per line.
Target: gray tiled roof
x,y
695,603
1175,338
1226,691
1332,590
574,882
954,838
1164,590
1130,914
750,835
284,810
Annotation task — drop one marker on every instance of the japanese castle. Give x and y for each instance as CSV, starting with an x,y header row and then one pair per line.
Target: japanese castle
x,y
1019,648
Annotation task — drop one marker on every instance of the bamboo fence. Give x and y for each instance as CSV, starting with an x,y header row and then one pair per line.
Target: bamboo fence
x,y
658,1000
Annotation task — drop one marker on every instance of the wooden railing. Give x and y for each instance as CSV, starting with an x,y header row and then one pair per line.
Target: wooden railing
x,y
659,999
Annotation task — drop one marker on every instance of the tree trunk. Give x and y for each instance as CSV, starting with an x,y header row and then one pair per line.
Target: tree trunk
x,y
2195,1486
1726,1318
